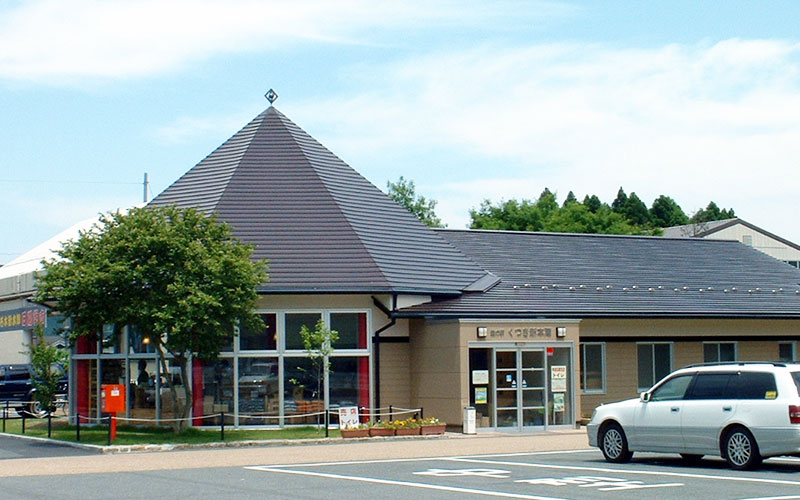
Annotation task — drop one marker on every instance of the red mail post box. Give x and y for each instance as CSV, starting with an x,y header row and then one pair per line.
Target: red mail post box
x,y
112,398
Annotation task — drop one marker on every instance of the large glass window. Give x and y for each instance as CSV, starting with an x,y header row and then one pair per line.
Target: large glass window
x,y
593,362
654,362
258,390
349,381
142,390
352,329
715,352
296,321
265,339
217,389
303,390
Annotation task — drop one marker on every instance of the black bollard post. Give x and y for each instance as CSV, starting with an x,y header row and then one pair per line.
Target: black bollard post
x,y
23,423
391,411
327,422
222,425
78,427
109,430
49,425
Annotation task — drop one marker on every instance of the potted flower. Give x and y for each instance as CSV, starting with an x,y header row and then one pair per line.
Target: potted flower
x,y
380,428
432,425
358,431
407,427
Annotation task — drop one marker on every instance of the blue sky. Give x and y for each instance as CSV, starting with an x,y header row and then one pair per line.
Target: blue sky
x,y
471,100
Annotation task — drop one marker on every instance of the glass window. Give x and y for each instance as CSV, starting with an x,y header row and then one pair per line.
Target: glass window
x,y
217,389
112,340
593,367
303,387
349,381
142,393
786,352
294,322
654,362
139,342
352,329
711,386
258,390
673,389
716,352
265,339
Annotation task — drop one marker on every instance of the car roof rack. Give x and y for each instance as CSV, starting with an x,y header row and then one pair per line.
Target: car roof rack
x,y
737,363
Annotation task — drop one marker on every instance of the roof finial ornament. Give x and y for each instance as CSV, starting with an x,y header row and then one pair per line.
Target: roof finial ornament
x,y
271,96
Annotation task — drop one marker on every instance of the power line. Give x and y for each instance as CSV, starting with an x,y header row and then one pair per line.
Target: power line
x,y
21,181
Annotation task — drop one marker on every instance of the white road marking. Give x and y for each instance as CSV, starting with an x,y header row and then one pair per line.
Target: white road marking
x,y
792,497
404,483
623,471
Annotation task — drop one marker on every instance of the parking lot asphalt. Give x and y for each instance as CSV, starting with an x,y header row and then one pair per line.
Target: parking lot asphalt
x,y
289,452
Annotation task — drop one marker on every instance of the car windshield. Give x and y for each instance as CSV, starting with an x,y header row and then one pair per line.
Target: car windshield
x,y
796,378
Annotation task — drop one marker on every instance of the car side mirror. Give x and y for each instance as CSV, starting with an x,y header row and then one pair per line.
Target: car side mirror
x,y
644,397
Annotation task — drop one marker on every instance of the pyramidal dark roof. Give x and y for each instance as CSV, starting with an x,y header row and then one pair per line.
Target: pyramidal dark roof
x,y
320,224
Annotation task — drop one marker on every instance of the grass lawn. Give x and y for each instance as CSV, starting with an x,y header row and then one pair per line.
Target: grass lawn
x,y
131,435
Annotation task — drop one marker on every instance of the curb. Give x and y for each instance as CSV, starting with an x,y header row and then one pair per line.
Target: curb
x,y
155,448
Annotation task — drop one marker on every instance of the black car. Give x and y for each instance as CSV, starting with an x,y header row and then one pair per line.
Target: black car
x,y
17,390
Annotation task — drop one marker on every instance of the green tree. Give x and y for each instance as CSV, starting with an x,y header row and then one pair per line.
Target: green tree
x,y
178,276
620,202
48,363
404,192
711,213
509,215
570,199
593,203
665,212
318,344
636,211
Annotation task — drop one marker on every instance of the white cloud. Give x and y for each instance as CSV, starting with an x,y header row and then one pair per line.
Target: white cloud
x,y
700,122
55,41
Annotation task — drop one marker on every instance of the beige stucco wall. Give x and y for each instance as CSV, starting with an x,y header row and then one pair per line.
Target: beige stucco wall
x,y
621,357
438,369
395,375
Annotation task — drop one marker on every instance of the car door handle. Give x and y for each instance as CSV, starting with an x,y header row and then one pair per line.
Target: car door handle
x,y
727,408
675,409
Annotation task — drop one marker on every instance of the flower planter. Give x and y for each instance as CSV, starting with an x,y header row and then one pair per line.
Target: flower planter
x,y
407,431
381,431
426,430
354,433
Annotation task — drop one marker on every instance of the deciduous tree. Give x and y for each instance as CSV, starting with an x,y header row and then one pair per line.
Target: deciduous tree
x,y
178,276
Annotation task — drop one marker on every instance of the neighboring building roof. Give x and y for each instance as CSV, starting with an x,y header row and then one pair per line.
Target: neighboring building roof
x,y
578,275
707,229
320,224
31,260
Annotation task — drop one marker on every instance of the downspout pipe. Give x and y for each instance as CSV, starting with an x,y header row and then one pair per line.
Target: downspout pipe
x,y
376,342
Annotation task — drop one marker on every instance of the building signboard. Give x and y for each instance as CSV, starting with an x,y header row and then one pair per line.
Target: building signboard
x,y
20,319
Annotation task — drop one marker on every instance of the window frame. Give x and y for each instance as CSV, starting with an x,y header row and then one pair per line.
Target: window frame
x,y
718,344
653,374
582,355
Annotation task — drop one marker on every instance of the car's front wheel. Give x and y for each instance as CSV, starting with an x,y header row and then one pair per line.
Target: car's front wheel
x,y
614,444
741,450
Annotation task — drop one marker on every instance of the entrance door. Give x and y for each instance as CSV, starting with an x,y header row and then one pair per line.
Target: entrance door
x,y
520,388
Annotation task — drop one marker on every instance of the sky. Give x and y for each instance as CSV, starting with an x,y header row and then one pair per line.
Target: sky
x,y
472,100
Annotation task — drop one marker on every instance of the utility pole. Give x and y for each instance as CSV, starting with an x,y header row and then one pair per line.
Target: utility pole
x,y
146,185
